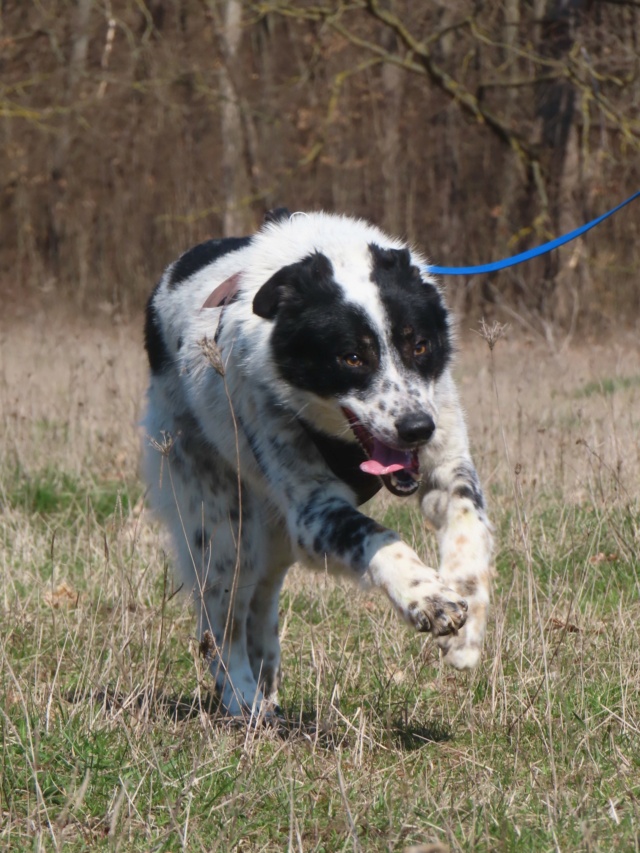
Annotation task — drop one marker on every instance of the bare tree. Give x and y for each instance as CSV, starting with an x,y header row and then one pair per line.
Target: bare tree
x,y
134,128
235,185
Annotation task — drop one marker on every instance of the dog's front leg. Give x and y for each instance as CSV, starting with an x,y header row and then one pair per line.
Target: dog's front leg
x,y
331,529
453,504
466,565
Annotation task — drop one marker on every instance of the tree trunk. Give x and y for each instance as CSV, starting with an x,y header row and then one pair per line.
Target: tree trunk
x,y
558,141
235,181
59,173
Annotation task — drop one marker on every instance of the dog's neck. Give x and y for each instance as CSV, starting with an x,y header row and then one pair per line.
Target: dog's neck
x,y
344,459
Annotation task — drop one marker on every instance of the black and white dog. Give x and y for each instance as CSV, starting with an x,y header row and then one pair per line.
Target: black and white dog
x,y
293,374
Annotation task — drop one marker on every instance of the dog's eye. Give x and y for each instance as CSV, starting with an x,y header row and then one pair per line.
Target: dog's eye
x,y
352,359
421,348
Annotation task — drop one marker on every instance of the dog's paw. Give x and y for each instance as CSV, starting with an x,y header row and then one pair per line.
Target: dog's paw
x,y
440,613
463,650
458,652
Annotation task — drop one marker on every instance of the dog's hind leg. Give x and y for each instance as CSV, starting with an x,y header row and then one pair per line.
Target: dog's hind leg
x,y
230,565
263,632
221,553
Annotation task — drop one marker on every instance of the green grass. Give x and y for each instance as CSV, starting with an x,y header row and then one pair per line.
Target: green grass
x,y
608,386
537,750
62,495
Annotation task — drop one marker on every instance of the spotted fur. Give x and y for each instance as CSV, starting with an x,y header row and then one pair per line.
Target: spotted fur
x,y
332,351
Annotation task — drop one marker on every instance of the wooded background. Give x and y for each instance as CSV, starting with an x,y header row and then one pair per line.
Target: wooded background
x,y
132,129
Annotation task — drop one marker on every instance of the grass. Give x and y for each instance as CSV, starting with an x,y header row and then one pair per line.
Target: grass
x,y
109,739
65,497
608,385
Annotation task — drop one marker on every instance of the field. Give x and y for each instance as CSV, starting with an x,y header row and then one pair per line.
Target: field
x,y
110,740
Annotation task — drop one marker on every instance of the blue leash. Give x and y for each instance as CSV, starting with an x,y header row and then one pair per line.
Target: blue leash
x,y
530,253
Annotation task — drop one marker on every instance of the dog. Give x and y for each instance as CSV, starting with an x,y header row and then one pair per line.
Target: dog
x,y
293,374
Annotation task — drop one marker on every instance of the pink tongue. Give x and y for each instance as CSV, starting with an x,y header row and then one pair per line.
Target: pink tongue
x,y
386,460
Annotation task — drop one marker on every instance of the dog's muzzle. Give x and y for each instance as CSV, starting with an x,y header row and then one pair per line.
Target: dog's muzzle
x,y
398,469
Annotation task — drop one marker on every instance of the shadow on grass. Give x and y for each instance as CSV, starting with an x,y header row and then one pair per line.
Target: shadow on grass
x,y
180,708
152,703
286,724
412,737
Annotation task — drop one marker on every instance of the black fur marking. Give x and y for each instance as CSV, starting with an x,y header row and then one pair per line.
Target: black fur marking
x,y
474,495
157,351
201,538
268,680
203,255
343,530
203,455
415,310
470,487
315,327
344,459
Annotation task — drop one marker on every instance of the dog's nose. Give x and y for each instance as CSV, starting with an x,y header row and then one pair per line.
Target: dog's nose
x,y
415,428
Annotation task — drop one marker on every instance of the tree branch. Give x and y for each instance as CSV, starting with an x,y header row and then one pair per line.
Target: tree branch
x,y
468,102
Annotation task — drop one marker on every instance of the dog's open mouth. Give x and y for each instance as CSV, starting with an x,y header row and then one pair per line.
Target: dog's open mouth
x,y
398,469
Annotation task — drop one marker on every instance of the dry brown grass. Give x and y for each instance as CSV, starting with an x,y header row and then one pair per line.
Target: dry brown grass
x,y
542,422
537,750
83,383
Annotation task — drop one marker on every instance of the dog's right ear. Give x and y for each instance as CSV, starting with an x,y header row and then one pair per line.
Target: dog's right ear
x,y
267,300
293,284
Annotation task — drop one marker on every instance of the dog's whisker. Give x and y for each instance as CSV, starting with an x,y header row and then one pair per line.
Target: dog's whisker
x,y
296,416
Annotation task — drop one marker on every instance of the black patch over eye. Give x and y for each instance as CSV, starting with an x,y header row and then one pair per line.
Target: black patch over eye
x,y
320,343
417,314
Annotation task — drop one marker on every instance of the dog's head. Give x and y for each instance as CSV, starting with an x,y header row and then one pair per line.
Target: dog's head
x,y
364,333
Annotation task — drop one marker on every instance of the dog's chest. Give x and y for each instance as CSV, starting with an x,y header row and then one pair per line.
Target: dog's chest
x,y
344,459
